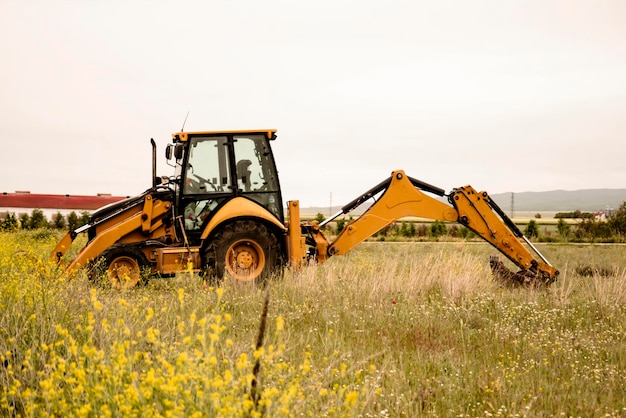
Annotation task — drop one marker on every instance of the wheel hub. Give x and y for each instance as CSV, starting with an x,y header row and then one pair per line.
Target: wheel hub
x,y
245,260
124,272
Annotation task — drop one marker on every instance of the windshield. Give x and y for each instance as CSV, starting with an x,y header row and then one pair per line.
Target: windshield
x,y
207,166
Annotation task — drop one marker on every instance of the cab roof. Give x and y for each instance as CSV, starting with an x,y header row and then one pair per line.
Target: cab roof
x,y
184,136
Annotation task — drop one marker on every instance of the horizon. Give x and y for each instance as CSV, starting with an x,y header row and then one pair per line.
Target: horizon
x,y
524,204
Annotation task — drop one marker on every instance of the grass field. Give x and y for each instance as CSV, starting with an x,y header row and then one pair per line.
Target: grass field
x,y
392,329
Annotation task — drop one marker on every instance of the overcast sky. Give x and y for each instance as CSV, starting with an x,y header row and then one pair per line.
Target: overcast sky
x,y
506,96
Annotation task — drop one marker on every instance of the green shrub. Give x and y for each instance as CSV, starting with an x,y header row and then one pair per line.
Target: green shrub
x,y
437,229
532,229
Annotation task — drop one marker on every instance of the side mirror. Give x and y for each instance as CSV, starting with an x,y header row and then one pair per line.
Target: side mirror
x,y
178,151
168,152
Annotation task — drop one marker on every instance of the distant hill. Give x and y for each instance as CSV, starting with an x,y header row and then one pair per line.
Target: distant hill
x,y
587,200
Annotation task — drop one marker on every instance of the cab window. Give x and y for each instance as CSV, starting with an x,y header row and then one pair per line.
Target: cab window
x,y
207,166
255,167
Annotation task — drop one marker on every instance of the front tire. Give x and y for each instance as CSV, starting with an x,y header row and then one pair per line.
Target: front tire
x,y
246,250
121,266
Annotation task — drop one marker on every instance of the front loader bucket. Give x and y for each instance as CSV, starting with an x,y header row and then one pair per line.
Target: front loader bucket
x,y
523,278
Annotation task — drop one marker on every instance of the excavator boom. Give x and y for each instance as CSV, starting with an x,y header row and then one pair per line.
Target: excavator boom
x,y
402,196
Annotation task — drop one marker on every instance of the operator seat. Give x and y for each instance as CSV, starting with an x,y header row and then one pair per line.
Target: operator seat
x,y
243,175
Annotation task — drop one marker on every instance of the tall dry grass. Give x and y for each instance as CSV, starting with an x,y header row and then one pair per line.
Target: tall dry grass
x,y
388,330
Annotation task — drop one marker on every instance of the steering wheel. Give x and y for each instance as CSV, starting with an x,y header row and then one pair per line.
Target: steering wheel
x,y
202,181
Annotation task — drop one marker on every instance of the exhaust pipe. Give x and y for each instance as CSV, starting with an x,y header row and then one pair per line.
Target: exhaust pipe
x,y
155,182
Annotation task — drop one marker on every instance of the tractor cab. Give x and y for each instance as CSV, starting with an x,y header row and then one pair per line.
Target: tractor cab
x,y
212,168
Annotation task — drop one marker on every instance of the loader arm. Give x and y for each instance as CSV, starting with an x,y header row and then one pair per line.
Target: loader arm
x,y
402,196
143,219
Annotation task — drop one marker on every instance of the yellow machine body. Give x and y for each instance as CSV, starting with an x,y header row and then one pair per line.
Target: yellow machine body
x,y
240,230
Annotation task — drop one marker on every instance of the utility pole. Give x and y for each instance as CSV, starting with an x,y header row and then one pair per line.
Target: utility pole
x,y
512,205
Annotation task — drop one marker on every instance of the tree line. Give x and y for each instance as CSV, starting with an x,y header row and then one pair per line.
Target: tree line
x,y
37,220
587,229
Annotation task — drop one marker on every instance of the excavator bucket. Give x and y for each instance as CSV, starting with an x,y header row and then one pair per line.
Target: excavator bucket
x,y
523,278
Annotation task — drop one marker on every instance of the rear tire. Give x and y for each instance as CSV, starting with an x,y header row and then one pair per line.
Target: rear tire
x,y
120,266
246,250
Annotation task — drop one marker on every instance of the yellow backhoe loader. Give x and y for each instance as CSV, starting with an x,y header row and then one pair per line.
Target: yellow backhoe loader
x,y
221,213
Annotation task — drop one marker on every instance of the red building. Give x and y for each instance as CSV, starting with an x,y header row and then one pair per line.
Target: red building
x,y
51,204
